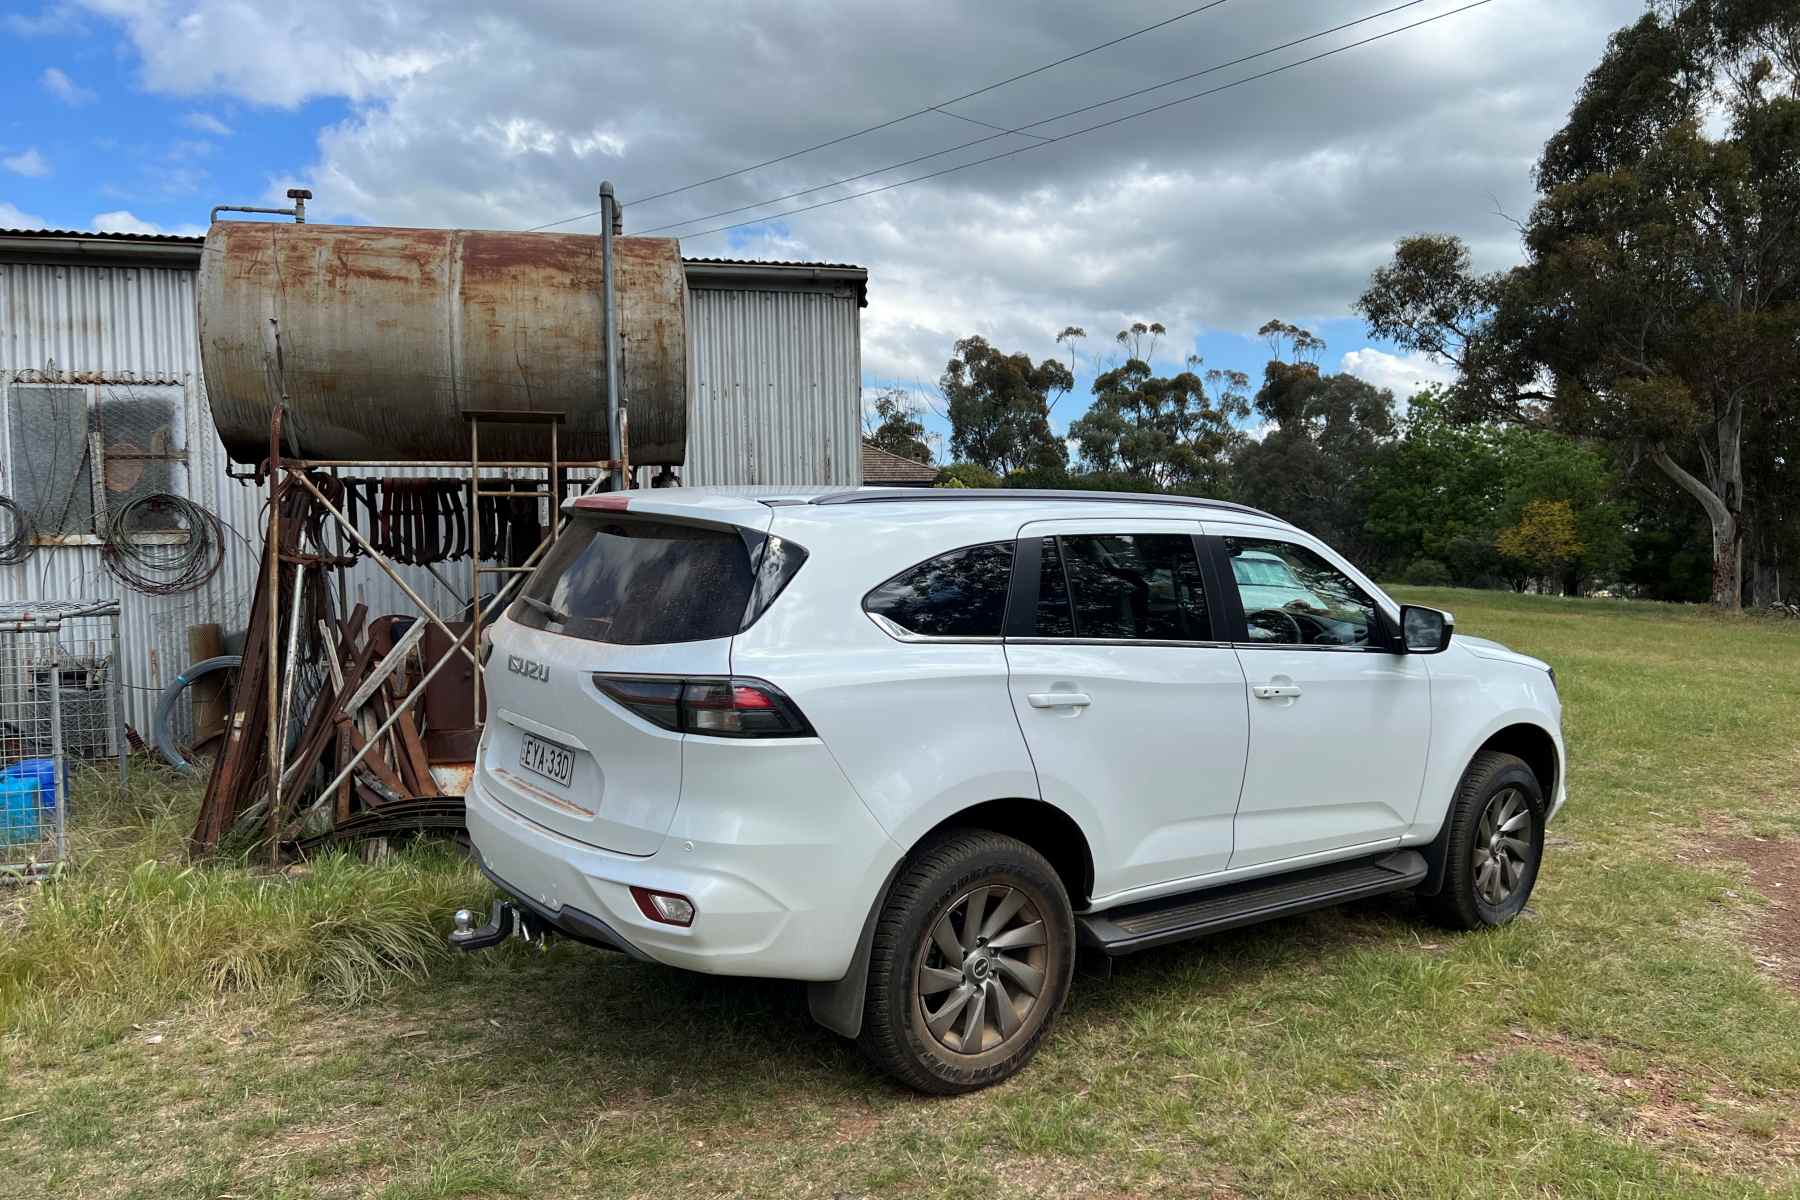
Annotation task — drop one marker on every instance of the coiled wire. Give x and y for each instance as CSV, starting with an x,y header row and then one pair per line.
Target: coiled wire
x,y
162,569
17,546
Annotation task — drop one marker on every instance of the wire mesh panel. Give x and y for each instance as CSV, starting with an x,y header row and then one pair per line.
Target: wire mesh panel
x,y
62,731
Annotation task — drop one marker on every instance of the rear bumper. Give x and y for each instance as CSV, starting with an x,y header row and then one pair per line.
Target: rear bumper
x,y
781,897
569,921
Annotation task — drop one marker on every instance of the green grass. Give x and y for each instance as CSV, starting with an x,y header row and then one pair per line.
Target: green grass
x,y
201,1033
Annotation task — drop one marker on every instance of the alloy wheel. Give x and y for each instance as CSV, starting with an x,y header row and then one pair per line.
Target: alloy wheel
x,y
980,972
1502,846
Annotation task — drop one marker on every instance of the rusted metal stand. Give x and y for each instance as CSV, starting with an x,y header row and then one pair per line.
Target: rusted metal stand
x,y
380,778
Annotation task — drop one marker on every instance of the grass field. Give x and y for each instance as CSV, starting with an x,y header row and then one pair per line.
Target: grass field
x,y
216,1032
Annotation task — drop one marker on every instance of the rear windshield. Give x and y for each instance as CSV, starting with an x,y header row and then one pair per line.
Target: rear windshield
x,y
634,582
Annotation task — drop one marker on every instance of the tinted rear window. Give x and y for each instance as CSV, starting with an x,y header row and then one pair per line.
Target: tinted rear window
x,y
959,594
635,582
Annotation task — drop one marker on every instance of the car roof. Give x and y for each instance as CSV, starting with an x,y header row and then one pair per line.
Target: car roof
x,y
723,502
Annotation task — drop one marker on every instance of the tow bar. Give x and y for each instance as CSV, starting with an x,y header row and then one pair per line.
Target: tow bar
x,y
505,920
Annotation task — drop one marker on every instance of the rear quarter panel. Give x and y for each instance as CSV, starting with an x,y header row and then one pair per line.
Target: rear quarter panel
x,y
922,730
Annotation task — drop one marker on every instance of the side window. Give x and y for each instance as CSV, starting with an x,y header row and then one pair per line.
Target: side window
x,y
959,594
1137,587
1292,597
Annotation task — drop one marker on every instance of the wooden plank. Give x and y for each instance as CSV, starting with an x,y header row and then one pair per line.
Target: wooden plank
x,y
207,694
240,759
413,759
389,662
377,766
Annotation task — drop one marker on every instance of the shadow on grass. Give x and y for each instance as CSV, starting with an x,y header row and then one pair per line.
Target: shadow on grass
x,y
577,1017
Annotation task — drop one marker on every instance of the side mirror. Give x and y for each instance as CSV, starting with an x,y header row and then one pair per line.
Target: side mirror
x,y
1425,630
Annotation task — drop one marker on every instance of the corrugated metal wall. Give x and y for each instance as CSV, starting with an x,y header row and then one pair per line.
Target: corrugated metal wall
x,y
777,399
777,387
111,328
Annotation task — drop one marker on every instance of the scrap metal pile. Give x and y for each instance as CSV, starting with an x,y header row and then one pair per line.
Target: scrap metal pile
x,y
377,716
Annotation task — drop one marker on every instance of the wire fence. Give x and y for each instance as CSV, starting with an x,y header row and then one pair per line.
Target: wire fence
x,y
60,721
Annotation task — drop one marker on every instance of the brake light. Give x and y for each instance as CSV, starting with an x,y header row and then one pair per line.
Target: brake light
x,y
738,707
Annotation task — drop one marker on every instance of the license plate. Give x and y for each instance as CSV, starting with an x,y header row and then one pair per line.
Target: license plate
x,y
553,762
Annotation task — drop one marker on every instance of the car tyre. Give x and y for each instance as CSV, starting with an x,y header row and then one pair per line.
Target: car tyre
x,y
970,963
1495,846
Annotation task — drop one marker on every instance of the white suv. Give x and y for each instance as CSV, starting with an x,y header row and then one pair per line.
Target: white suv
x,y
917,748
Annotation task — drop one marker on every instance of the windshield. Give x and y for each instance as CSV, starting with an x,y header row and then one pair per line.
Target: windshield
x,y
1263,572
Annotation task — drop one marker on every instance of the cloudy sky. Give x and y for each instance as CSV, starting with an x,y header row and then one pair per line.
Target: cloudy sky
x,y
1270,199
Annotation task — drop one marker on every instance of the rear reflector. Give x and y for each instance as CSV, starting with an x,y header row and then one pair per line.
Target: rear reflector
x,y
664,907
736,707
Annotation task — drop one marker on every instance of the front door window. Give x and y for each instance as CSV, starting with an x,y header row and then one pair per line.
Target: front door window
x,y
1293,597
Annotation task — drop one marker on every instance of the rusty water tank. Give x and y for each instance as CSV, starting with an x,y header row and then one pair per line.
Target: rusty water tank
x,y
389,335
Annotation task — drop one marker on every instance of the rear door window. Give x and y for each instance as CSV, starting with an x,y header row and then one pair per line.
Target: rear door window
x,y
631,581
961,594
1126,587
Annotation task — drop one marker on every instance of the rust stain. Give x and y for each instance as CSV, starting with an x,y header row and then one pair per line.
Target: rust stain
x,y
539,794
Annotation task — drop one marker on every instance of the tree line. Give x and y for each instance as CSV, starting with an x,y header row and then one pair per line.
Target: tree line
x,y
1624,411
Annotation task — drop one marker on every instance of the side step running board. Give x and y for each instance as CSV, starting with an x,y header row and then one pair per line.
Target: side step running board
x,y
1134,927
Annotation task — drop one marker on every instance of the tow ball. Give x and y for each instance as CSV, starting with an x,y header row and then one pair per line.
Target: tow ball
x,y
505,920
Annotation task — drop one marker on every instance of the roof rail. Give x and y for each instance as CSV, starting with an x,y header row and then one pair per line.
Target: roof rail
x,y
965,495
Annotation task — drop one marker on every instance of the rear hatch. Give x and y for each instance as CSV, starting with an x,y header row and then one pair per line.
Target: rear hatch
x,y
621,594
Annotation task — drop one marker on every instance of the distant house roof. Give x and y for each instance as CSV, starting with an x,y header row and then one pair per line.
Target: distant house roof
x,y
884,468
174,249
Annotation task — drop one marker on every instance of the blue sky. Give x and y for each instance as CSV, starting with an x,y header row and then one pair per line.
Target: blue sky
x,y
82,138
1270,200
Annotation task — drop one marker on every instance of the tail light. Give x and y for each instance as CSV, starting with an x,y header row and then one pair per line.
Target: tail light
x,y
735,707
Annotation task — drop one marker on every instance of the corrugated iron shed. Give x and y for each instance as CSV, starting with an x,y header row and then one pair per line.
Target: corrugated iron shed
x,y
775,367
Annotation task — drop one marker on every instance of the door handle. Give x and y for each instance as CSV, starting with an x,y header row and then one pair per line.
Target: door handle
x,y
1059,699
1275,691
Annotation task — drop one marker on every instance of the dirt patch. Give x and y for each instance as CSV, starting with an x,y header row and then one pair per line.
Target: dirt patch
x,y
1774,872
1717,1126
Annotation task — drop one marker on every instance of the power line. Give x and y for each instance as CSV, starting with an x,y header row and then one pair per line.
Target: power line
x,y
938,107
1023,130
888,187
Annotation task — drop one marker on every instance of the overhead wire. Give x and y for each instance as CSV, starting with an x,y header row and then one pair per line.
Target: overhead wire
x,y
1063,137
889,124
1025,129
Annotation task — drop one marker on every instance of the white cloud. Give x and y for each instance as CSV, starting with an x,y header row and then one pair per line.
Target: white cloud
x,y
12,218
56,20
1272,200
27,162
206,123
122,221
58,84
1402,374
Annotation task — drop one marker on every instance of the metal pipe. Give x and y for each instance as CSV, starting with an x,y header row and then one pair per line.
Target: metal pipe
x,y
609,209
380,560
59,776
500,598
118,707
594,464
272,564
290,679
298,195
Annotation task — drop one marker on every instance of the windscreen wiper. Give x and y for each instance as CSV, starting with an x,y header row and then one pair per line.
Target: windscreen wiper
x,y
548,609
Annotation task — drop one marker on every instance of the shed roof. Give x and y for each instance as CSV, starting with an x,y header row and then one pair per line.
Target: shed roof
x,y
892,470
177,248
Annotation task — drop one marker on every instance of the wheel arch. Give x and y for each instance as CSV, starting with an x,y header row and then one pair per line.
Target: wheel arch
x,y
838,1005
1529,742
